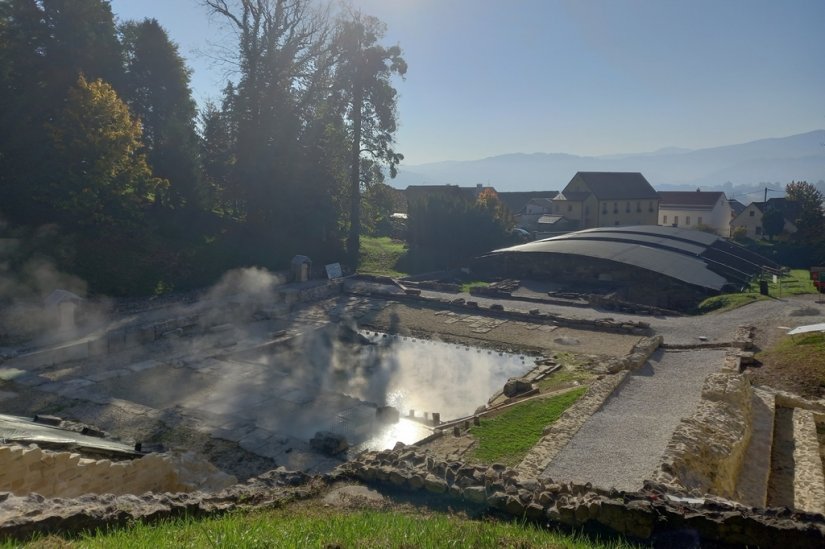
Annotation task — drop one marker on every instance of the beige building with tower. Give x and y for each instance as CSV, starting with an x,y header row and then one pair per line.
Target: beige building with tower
x,y
608,199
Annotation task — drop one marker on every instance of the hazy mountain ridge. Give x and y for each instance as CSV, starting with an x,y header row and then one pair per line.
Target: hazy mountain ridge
x,y
771,160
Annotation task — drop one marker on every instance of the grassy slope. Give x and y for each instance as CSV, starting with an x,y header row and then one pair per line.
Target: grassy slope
x,y
507,437
316,526
795,363
380,255
798,282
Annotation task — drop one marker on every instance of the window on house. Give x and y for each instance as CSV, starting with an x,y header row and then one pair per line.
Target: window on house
x,y
638,207
699,221
617,223
615,207
758,229
627,208
650,206
676,220
687,220
664,220
570,207
750,213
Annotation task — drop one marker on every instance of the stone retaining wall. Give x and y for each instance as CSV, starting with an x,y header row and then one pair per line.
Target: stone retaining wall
x,y
653,514
706,451
25,470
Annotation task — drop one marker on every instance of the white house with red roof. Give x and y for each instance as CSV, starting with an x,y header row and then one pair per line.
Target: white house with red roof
x,y
695,210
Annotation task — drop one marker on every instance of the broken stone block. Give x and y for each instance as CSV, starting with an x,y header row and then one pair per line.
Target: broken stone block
x,y
516,386
329,443
387,414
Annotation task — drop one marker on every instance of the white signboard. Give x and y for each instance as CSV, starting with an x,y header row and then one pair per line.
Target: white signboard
x,y
334,271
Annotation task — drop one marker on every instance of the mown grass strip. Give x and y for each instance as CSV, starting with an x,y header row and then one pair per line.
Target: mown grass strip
x,y
312,526
796,283
380,256
507,437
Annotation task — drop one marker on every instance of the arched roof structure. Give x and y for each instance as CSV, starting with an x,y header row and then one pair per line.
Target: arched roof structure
x,y
689,256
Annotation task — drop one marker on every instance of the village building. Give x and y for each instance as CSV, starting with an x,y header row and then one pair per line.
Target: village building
x,y
695,210
751,217
607,199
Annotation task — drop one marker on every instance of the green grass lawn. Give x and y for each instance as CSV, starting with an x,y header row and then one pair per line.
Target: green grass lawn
x,y
795,363
796,283
560,378
314,526
466,286
380,255
507,437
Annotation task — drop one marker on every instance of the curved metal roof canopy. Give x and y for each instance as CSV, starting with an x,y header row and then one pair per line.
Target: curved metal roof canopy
x,y
690,256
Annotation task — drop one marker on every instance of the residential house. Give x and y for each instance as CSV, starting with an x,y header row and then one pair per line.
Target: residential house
x,y
607,199
751,217
421,192
695,210
736,207
516,201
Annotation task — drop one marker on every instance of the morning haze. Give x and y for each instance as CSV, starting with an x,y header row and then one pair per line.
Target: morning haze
x,y
412,273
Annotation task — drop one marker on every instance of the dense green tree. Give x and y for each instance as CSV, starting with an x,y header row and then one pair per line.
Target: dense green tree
x,y
103,177
44,46
773,221
811,219
280,46
379,202
217,154
364,74
157,90
453,228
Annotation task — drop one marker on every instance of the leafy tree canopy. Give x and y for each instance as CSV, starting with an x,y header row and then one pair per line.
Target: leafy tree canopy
x,y
811,219
103,174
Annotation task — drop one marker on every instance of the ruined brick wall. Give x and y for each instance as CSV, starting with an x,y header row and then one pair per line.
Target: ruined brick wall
x,y
25,470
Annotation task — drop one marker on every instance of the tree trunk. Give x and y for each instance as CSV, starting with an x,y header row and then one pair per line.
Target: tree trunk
x,y
354,239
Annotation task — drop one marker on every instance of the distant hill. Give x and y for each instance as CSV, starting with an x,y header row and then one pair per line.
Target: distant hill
x,y
773,160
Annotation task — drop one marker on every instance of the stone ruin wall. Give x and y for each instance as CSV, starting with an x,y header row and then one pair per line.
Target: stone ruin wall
x,y
654,514
725,447
25,470
706,451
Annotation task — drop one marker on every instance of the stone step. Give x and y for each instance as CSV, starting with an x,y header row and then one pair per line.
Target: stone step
x,y
809,481
752,485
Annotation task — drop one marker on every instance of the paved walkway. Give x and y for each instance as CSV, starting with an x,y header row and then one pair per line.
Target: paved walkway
x,y
620,446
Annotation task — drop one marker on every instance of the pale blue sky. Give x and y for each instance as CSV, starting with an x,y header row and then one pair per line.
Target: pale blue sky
x,y
490,77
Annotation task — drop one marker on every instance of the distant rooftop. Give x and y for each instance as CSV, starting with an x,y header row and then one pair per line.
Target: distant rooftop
x,y
689,198
617,185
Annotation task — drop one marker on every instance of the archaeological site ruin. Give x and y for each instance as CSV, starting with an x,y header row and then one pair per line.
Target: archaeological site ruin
x,y
264,387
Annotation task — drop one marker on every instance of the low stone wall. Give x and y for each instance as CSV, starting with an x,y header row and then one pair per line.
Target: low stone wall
x,y
640,354
706,451
25,470
24,516
498,310
809,481
652,514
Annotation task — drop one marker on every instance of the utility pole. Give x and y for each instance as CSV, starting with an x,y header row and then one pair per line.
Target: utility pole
x,y
773,191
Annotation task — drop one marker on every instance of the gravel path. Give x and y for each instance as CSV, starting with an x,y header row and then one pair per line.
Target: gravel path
x,y
620,445
686,330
